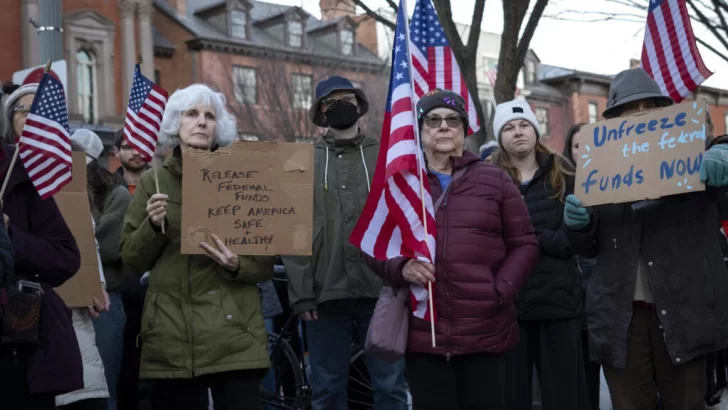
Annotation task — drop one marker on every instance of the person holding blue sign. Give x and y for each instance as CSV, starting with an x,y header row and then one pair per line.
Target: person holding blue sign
x,y
655,304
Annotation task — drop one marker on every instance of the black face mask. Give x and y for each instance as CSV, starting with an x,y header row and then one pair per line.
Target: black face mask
x,y
343,116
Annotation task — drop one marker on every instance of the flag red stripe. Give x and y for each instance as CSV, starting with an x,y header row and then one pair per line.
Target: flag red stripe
x,y
660,54
676,50
688,26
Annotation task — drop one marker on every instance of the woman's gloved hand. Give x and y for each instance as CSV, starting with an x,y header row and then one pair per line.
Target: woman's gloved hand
x,y
714,167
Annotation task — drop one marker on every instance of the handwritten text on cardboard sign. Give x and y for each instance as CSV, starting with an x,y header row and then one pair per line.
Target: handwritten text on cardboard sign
x,y
256,196
650,155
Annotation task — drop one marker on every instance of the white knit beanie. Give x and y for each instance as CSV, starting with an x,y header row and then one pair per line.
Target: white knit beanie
x,y
514,110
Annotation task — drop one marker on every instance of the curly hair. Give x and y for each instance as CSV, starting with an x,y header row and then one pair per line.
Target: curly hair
x,y
187,98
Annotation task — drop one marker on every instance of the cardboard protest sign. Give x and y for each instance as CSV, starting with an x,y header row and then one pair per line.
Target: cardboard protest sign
x,y
256,196
646,156
80,290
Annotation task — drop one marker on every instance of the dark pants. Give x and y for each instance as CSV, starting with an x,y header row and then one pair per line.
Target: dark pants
x,y
127,389
554,347
591,372
650,372
467,382
14,392
237,390
330,348
90,404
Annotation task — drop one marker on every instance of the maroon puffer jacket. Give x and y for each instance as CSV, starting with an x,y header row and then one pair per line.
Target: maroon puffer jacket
x,y
486,249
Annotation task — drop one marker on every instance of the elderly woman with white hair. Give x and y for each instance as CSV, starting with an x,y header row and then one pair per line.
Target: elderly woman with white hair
x,y
202,325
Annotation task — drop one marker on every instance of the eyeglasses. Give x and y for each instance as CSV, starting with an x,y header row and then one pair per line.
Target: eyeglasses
x,y
21,109
434,121
334,101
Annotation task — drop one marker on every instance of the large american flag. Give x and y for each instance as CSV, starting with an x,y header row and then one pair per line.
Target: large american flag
x,y
391,223
45,143
670,54
144,115
433,63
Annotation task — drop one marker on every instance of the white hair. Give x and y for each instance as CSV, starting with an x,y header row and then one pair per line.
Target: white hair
x,y
187,98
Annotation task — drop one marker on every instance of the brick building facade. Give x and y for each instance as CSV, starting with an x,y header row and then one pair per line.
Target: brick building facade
x,y
265,57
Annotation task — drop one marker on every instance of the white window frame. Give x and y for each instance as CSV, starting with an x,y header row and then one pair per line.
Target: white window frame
x,y
87,86
240,73
542,115
238,24
297,34
248,137
593,116
302,90
530,72
344,44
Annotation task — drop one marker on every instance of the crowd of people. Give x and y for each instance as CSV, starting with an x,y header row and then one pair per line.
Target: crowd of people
x,y
525,276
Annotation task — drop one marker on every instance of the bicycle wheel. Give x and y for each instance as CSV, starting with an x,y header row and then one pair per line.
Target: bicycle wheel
x,y
360,395
291,392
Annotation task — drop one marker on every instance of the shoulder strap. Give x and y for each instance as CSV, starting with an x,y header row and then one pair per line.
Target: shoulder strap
x,y
455,176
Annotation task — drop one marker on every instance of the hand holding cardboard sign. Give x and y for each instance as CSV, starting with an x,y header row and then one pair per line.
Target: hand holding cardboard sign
x,y
222,254
575,215
157,209
714,167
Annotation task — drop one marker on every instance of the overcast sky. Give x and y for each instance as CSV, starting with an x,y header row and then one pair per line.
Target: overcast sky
x,y
599,47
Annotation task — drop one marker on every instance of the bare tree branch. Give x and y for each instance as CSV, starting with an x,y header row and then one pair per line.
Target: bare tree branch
x,y
474,37
377,16
704,19
713,49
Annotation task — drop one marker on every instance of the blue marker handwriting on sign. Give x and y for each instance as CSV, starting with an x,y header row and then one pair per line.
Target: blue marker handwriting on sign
x,y
689,166
613,182
603,134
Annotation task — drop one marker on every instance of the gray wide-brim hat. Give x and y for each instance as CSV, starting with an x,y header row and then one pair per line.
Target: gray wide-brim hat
x,y
328,86
633,85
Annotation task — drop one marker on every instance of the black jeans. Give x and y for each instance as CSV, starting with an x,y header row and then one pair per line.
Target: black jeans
x,y
236,390
14,392
592,371
90,404
467,382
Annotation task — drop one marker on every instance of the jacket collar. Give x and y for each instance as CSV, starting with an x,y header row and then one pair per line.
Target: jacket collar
x,y
328,141
462,161
18,174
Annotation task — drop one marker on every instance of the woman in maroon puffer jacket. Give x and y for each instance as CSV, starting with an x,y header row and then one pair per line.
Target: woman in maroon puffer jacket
x,y
485,250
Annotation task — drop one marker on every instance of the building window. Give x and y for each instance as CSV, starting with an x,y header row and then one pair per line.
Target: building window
x,y
301,91
238,24
158,78
346,39
245,83
530,72
295,34
593,112
86,73
542,115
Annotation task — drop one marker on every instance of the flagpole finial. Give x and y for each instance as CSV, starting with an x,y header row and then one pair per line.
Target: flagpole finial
x,y
48,66
139,58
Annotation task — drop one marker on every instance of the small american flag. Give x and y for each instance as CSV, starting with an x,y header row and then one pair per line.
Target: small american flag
x,y
434,64
670,54
492,74
391,223
144,115
45,143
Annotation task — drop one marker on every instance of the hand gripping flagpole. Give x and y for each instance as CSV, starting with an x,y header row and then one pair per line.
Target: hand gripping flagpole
x,y
17,148
154,169
420,161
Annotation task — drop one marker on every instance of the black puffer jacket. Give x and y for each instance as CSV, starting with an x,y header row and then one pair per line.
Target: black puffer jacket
x,y
553,290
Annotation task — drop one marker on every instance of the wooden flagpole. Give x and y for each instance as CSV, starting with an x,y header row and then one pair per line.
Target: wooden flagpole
x,y
154,168
420,161
17,149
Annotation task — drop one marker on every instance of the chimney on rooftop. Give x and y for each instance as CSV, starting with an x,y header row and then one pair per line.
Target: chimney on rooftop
x,y
180,6
332,9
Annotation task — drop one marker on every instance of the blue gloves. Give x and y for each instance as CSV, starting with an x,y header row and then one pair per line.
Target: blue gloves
x,y
575,215
714,167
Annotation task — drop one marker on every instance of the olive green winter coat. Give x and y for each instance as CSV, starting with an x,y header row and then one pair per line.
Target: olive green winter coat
x,y
343,170
199,318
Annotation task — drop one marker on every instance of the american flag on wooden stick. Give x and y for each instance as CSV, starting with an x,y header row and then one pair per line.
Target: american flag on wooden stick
x,y
45,143
391,223
144,115
433,62
670,53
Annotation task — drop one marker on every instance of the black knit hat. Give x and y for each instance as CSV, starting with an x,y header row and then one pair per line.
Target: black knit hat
x,y
438,98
